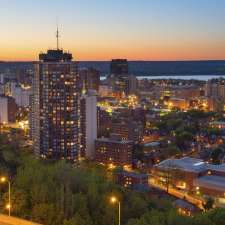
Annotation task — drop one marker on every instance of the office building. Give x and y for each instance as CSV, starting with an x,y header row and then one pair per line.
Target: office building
x,y
89,79
119,67
120,80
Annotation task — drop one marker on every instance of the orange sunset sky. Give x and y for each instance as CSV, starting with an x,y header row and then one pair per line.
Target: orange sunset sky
x,y
101,30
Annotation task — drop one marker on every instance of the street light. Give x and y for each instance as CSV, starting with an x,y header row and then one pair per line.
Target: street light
x,y
8,206
113,201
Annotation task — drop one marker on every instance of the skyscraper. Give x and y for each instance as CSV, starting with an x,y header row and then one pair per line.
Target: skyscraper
x,y
119,78
89,78
55,106
119,67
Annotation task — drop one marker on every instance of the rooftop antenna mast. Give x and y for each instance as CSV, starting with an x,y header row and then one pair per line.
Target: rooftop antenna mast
x,y
57,37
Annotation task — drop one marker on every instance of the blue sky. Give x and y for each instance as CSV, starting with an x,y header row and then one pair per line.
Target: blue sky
x,y
102,29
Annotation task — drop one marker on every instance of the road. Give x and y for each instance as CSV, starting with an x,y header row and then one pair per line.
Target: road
x,y
179,194
6,220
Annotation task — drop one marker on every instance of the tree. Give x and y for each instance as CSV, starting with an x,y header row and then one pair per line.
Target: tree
x,y
208,204
58,192
171,174
174,219
172,150
78,220
138,152
46,214
135,206
215,155
152,217
217,216
202,220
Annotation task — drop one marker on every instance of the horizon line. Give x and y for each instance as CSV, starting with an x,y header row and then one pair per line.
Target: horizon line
x,y
129,60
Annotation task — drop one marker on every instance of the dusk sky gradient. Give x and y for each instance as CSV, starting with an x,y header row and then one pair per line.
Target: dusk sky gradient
x,y
105,29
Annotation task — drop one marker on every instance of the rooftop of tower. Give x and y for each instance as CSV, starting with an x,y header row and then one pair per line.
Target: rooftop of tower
x,y
55,55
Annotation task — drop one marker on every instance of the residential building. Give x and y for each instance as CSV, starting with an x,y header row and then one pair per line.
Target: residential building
x,y
129,130
114,150
55,106
131,179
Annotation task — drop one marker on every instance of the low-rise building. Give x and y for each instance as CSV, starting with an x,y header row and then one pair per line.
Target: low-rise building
x,y
132,179
218,124
194,176
185,208
114,150
179,103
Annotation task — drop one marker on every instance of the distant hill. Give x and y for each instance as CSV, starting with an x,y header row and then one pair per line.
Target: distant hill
x,y
140,68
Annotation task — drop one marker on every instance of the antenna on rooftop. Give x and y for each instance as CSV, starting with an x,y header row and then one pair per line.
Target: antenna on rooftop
x,y
57,36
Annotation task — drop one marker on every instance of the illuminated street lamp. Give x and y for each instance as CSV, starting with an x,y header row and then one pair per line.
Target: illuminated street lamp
x,y
8,206
114,200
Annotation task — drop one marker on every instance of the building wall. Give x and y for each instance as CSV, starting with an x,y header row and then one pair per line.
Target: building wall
x,y
129,179
20,94
88,128
210,192
89,79
116,153
12,110
4,110
91,125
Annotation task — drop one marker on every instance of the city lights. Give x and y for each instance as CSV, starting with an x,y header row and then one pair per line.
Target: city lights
x,y
114,200
127,118
8,206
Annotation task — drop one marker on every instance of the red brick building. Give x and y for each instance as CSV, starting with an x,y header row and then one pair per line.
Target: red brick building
x,y
113,150
131,179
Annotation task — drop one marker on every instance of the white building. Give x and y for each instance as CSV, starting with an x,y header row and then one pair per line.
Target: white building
x,y
20,94
3,109
88,124
1,78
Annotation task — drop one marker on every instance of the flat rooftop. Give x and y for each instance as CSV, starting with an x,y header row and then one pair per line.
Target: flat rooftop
x,y
211,182
186,164
218,123
219,168
190,165
109,140
133,174
152,144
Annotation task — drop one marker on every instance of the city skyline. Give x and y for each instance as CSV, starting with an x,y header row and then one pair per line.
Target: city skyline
x,y
101,30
